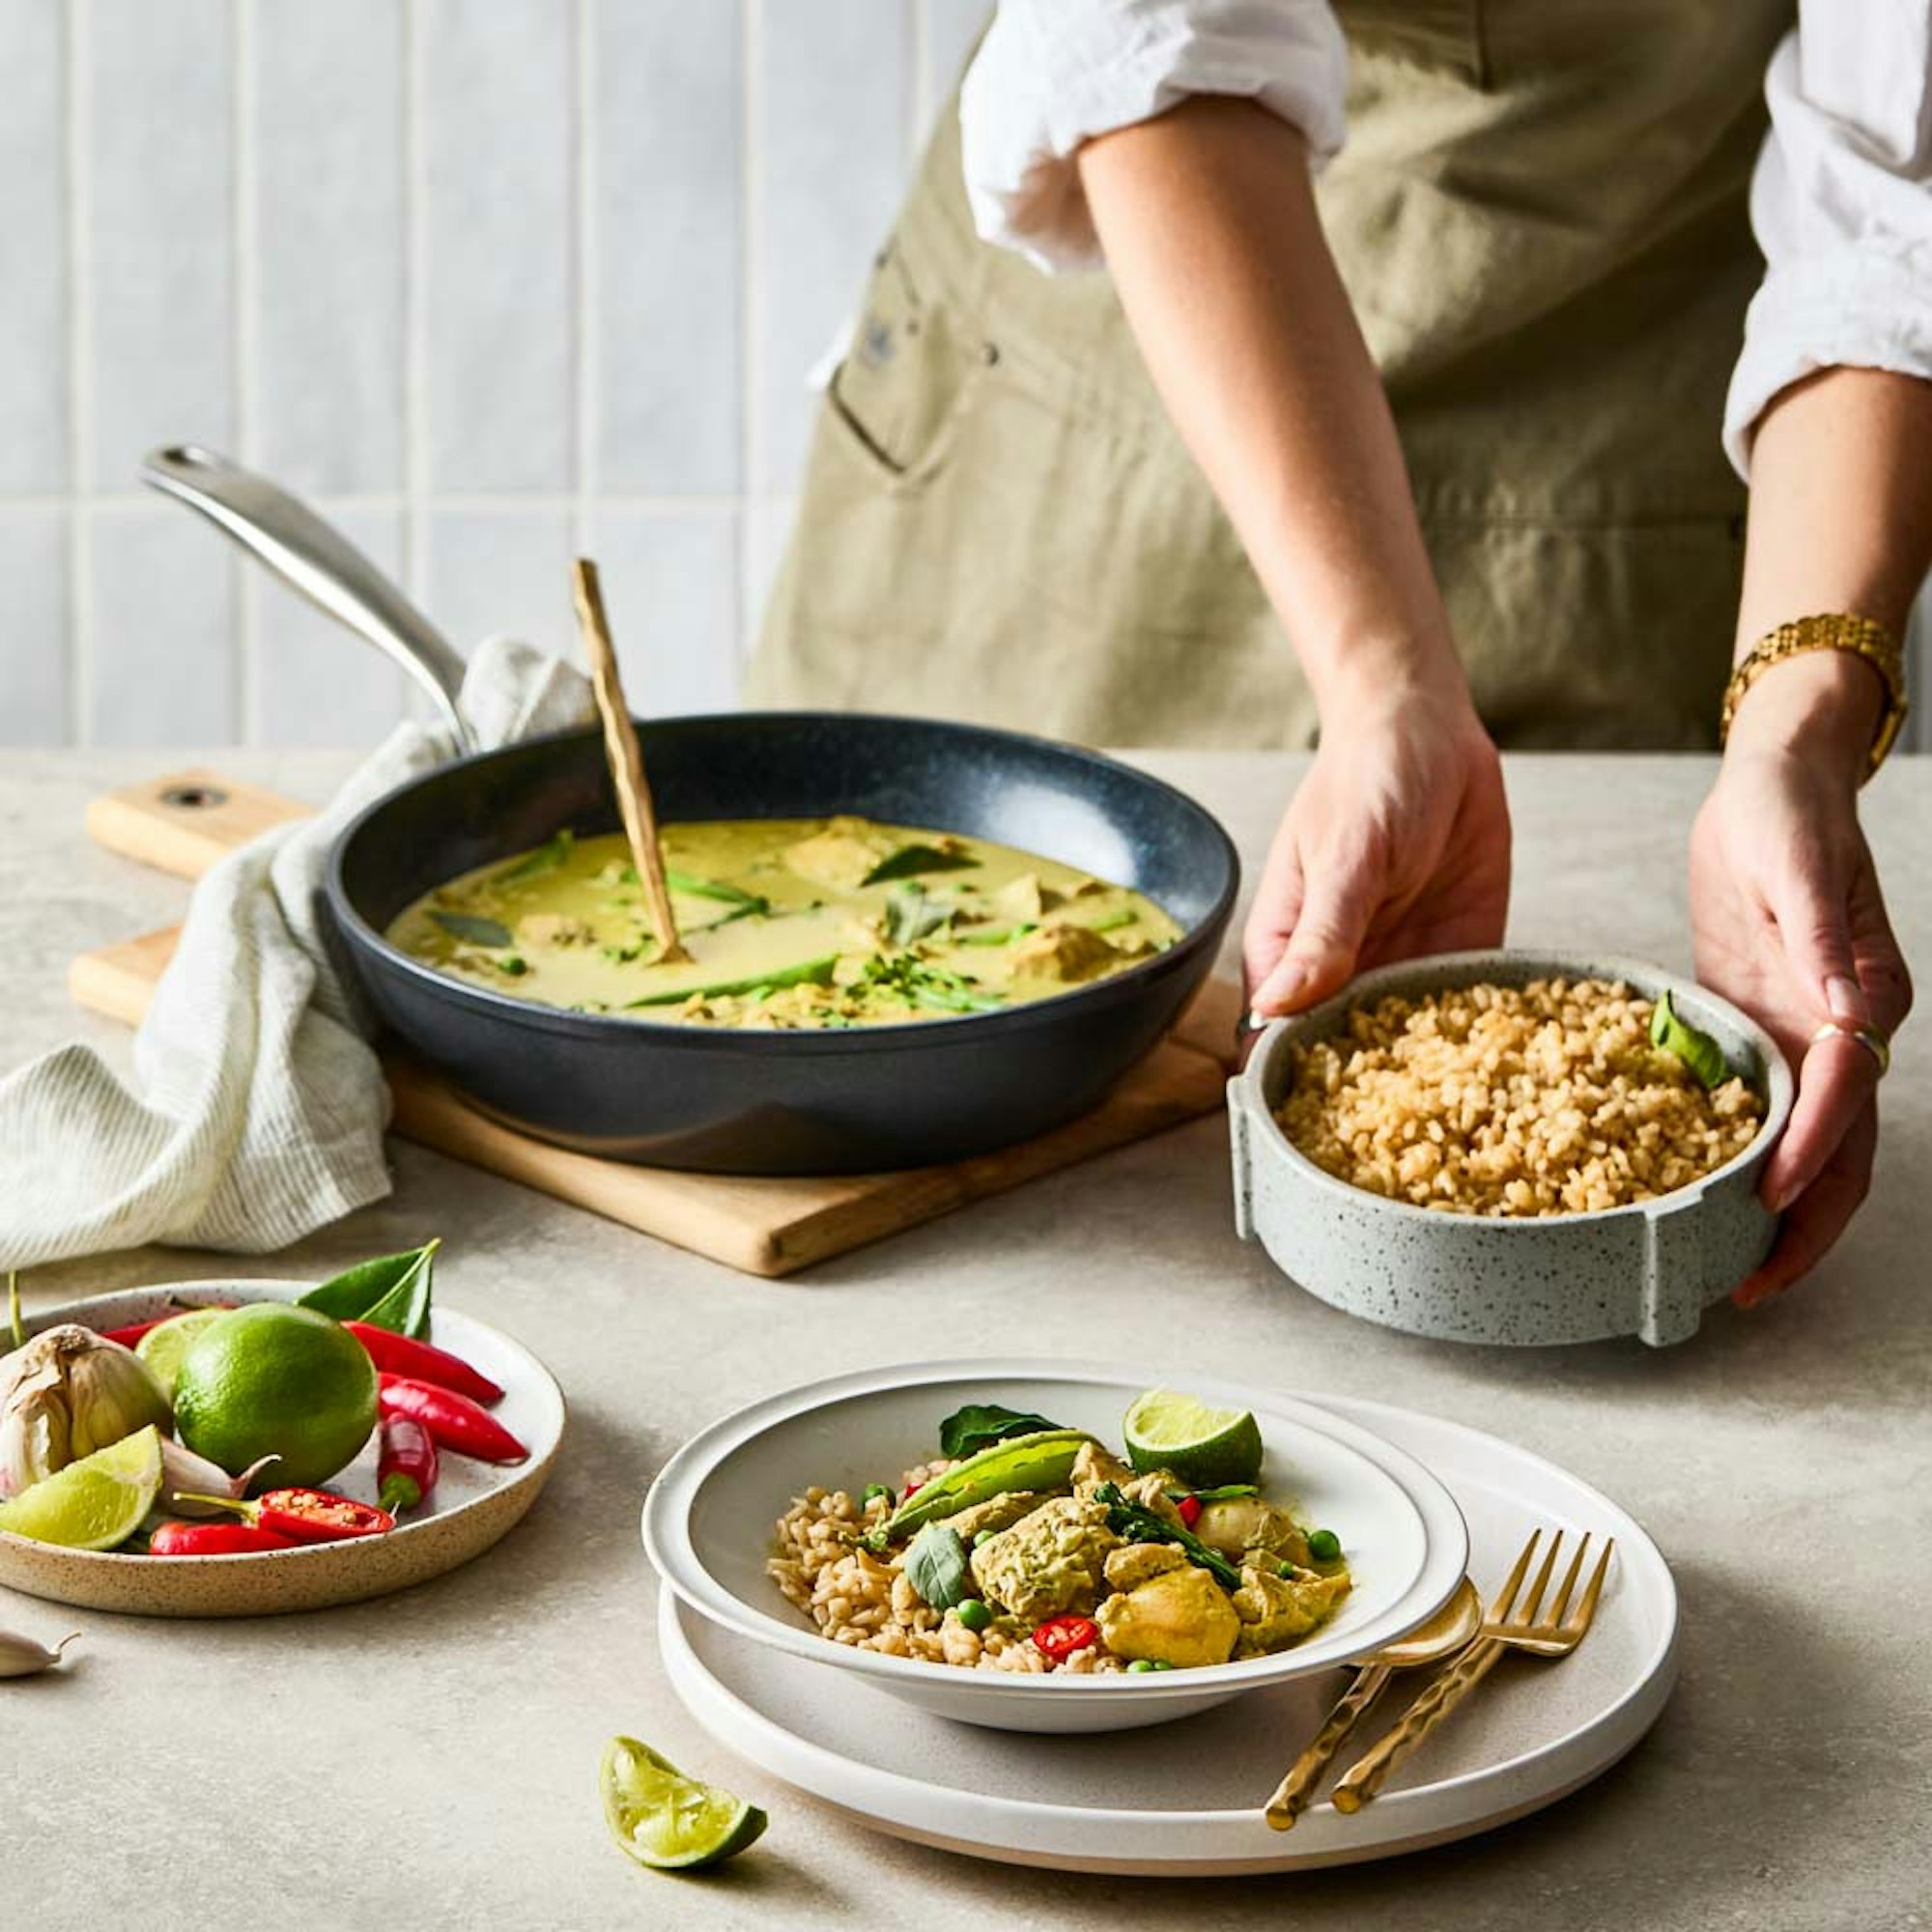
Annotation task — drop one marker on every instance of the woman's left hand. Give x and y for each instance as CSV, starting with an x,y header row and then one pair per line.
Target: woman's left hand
x,y
1789,922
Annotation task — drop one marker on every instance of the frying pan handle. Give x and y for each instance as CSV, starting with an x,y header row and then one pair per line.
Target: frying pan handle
x,y
316,560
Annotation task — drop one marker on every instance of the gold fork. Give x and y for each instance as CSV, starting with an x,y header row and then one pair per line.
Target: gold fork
x,y
1549,1635
1453,1628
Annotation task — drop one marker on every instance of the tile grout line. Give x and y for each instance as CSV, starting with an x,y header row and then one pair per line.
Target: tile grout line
x,y
750,297
412,508
247,671
584,340
78,18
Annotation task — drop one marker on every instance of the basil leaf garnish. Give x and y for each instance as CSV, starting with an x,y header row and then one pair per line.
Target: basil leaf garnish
x,y
475,932
980,1424
936,1567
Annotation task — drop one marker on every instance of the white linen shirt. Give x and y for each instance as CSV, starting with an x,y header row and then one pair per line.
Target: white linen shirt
x,y
1841,199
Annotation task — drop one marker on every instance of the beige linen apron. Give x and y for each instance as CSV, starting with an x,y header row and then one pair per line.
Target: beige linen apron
x,y
1540,219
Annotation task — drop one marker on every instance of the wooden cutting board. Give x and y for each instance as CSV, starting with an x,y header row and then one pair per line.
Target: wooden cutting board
x,y
187,821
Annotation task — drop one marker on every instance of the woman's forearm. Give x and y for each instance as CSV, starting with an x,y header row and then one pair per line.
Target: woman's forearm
x,y
1210,227
1841,521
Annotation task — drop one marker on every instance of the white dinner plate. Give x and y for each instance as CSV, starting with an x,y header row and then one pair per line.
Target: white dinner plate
x,y
710,1518
1186,1800
475,1504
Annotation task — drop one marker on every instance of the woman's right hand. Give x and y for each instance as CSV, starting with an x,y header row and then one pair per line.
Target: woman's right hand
x,y
1396,844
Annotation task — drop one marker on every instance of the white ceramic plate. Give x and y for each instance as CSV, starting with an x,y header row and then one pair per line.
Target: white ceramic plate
x,y
709,1526
475,1504
1188,1802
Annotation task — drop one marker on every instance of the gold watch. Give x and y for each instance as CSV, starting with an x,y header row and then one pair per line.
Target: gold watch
x,y
1863,637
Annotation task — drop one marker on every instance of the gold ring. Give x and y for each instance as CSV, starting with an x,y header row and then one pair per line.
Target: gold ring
x,y
1869,1037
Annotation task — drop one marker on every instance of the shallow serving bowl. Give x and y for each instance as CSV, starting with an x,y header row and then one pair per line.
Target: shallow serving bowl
x,y
473,1506
709,1524
1649,1269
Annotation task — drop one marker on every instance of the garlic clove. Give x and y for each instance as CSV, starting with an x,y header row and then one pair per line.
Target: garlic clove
x,y
23,1657
183,1471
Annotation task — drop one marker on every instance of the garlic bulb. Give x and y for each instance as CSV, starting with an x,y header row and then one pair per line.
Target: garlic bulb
x,y
65,1394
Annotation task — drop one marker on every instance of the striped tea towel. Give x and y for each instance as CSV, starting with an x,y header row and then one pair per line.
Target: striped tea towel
x,y
256,1109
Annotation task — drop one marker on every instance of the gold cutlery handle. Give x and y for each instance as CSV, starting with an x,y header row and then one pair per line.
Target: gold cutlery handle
x,y
1294,1790
1365,1778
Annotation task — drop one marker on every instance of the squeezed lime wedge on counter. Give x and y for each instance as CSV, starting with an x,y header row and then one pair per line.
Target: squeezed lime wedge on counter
x,y
95,1503
1204,1447
665,1820
163,1347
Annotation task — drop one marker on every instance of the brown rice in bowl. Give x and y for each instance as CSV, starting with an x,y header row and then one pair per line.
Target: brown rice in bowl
x,y
1511,1101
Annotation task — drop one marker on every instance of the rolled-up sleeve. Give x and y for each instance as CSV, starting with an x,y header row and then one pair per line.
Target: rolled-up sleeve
x,y
1842,205
1053,74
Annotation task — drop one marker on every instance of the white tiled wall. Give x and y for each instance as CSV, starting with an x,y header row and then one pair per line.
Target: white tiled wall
x,y
490,281
487,281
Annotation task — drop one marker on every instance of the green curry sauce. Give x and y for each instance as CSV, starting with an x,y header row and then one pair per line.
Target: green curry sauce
x,y
789,924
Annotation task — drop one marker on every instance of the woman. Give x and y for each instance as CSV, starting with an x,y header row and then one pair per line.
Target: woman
x,y
1455,412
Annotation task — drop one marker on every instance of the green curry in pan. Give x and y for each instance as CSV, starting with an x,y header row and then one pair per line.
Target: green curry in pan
x,y
789,922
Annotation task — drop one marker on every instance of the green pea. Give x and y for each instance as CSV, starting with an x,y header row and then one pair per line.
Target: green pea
x,y
1160,1664
870,1491
513,963
1324,1544
972,1613
1142,1664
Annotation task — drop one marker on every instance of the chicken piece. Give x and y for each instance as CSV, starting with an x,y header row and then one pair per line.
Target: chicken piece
x,y
1276,1611
1095,1465
1243,1525
1023,898
554,928
987,1518
837,858
1156,1492
1047,1562
1063,954
1181,1617
1128,1568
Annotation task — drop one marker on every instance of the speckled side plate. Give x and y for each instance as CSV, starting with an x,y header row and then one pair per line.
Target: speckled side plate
x,y
475,1504
1648,1271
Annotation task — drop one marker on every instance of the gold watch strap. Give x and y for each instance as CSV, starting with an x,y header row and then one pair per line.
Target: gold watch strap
x,y
1863,637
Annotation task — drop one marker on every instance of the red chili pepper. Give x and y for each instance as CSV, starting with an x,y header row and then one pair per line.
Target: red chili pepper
x,y
912,1490
454,1421
1189,1510
407,1467
128,1337
305,1516
399,1355
213,1538
1058,1638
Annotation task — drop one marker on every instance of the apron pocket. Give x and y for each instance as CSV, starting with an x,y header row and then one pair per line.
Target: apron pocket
x,y
895,401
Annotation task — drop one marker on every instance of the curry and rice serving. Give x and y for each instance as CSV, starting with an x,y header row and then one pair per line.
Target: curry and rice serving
x,y
790,923
1040,1551
1555,1097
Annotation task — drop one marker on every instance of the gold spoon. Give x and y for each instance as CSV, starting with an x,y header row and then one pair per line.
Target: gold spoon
x,y
1451,1628
626,760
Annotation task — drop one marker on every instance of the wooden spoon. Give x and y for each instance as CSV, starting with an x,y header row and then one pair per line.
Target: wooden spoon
x,y
626,759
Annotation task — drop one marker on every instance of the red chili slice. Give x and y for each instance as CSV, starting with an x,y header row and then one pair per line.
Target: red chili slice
x,y
316,1516
1189,1508
1058,1638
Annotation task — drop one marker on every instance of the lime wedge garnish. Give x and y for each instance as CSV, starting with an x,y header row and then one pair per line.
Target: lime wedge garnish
x,y
1204,1447
95,1503
665,1820
163,1347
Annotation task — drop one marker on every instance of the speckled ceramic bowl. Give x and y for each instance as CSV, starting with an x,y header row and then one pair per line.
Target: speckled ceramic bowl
x,y
475,1504
1649,1269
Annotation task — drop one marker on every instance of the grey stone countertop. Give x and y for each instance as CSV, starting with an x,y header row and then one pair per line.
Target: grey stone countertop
x,y
429,1760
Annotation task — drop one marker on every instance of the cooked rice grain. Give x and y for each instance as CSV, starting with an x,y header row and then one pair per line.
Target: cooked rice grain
x,y
1547,1099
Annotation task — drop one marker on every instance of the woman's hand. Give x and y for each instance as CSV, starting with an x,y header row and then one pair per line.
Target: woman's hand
x,y
1789,924
1396,844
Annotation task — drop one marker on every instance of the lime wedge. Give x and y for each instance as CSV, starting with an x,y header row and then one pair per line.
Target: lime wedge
x,y
163,1347
95,1503
1204,1447
665,1820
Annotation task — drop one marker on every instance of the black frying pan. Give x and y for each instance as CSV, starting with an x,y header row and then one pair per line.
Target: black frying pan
x,y
744,1102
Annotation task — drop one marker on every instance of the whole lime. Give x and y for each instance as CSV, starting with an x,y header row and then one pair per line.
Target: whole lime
x,y
272,1379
